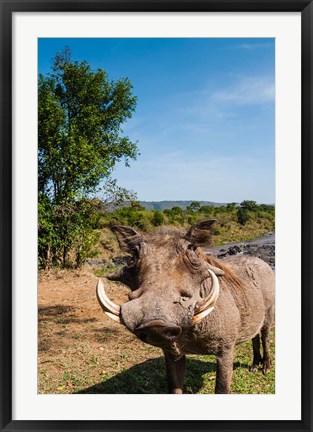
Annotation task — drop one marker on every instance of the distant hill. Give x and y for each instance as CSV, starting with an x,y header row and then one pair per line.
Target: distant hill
x,y
162,205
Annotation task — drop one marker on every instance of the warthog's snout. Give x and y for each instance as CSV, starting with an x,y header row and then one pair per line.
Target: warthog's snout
x,y
158,332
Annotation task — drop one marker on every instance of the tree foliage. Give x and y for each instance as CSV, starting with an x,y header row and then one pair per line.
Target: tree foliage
x,y
114,196
250,209
194,206
157,218
79,136
243,215
80,114
249,205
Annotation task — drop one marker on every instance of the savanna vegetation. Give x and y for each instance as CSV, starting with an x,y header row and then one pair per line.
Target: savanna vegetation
x,y
236,221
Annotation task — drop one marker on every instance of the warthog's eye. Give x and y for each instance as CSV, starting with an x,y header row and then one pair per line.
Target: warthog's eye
x,y
192,261
191,247
186,293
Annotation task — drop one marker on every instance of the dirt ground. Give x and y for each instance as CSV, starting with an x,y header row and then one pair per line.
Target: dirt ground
x,y
80,350
78,345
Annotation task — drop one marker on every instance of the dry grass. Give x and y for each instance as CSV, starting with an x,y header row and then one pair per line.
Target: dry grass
x,y
231,231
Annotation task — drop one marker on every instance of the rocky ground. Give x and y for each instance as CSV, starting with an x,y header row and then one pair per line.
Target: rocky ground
x,y
263,247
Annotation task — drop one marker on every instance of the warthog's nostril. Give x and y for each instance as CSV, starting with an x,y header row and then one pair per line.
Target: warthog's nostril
x,y
158,331
172,332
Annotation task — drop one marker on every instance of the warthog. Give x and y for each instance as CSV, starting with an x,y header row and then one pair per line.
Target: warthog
x,y
186,301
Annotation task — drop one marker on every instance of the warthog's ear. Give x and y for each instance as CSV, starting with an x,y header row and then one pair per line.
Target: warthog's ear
x,y
127,237
200,234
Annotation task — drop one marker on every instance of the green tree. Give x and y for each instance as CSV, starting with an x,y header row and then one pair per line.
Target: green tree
x,y
242,215
177,210
135,205
231,206
207,210
194,206
80,116
249,205
246,211
80,113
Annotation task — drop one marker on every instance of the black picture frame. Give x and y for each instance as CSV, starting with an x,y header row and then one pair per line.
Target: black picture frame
x,y
7,9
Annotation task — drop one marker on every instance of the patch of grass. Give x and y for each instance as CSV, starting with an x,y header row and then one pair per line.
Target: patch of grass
x,y
125,371
101,271
200,376
232,232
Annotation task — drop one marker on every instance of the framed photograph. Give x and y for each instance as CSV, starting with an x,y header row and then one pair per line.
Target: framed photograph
x,y
114,115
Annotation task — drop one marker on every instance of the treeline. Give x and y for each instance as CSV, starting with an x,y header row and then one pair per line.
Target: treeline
x,y
237,222
241,214
163,205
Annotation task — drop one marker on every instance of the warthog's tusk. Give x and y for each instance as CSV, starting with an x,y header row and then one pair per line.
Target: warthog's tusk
x,y
111,309
208,304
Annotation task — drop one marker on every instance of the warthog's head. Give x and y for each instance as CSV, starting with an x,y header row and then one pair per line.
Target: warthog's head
x,y
173,284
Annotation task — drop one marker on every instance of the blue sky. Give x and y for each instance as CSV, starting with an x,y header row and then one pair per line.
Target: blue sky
x,y
205,113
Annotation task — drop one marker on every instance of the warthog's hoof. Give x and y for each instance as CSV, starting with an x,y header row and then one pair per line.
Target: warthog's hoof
x,y
254,368
266,366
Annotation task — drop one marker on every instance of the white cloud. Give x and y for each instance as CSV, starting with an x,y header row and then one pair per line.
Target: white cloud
x,y
213,110
247,46
205,112
248,91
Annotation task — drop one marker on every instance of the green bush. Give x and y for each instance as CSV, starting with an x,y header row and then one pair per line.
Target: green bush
x,y
242,216
158,218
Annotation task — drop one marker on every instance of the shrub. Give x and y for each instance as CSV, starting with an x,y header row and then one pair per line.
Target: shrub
x,y
158,218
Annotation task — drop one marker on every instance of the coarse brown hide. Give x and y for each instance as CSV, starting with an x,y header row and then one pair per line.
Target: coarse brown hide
x,y
186,301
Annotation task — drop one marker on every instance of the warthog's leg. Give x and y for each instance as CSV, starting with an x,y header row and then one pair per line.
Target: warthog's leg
x,y
224,370
265,331
175,373
266,349
257,359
